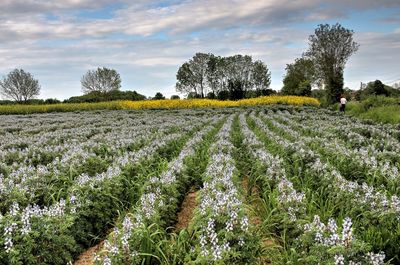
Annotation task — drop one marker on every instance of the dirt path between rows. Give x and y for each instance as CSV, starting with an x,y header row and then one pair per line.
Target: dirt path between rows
x,y
86,258
186,212
184,217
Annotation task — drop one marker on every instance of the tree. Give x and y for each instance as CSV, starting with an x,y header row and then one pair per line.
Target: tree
x,y
214,73
158,95
304,88
299,77
378,88
207,74
101,80
175,97
329,49
261,76
192,75
19,86
374,88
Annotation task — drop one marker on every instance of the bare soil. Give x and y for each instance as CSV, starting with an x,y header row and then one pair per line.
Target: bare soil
x,y
186,212
86,258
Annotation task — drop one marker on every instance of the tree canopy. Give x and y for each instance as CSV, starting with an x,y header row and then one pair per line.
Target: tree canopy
x,y
222,77
19,86
299,77
101,80
159,95
329,48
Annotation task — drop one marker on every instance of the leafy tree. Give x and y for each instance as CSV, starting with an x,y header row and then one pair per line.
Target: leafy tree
x,y
52,101
186,82
175,97
101,80
261,76
236,89
329,49
214,73
211,95
299,77
159,96
239,69
207,73
19,86
223,95
374,88
378,88
304,88
192,76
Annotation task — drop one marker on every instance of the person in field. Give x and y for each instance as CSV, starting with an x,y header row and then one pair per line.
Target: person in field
x,y
343,102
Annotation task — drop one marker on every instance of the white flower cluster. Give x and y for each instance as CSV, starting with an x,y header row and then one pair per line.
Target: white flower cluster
x,y
370,153
153,200
361,194
74,142
220,200
77,148
328,235
291,200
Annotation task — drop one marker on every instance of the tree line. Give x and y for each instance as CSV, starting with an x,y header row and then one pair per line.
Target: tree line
x,y
232,77
101,84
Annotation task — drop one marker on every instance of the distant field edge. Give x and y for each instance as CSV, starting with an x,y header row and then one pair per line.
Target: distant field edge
x,y
158,104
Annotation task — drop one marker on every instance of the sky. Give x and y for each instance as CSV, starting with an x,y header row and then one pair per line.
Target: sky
x,y
147,41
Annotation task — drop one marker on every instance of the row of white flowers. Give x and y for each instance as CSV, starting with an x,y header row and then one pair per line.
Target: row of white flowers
x,y
316,229
156,195
18,220
362,194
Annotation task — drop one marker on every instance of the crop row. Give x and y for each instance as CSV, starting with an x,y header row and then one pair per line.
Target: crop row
x,y
273,185
57,231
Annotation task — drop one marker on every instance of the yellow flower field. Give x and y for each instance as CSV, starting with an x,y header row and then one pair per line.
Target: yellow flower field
x,y
158,104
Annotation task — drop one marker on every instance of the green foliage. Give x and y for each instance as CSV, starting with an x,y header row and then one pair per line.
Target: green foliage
x,y
334,87
51,243
299,77
158,95
207,73
375,88
211,95
31,102
97,96
329,48
385,114
223,95
379,108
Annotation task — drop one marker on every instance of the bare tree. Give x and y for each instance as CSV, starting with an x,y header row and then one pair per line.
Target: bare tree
x,y
19,86
101,80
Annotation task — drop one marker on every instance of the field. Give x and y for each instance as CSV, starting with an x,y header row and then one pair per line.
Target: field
x,y
157,104
239,185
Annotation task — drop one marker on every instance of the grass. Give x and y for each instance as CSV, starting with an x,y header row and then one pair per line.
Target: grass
x,y
157,104
377,108
385,114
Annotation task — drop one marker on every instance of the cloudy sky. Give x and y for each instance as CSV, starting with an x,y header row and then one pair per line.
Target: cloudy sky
x,y
147,41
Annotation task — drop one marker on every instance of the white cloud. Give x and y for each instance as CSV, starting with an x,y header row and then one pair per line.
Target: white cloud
x,y
147,43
